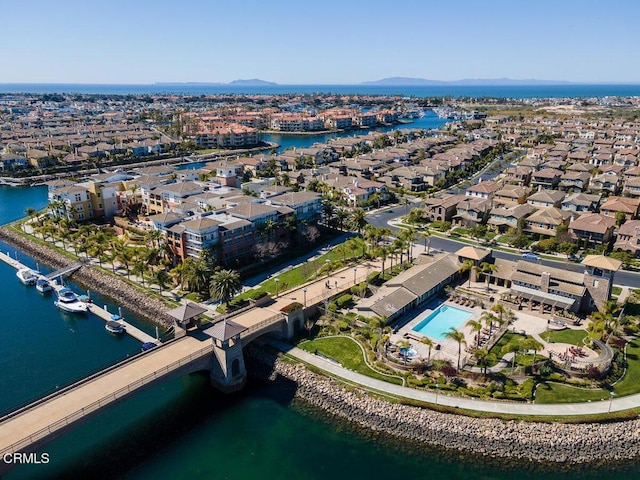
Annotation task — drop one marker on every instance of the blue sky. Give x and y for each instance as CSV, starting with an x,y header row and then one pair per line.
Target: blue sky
x,y
323,42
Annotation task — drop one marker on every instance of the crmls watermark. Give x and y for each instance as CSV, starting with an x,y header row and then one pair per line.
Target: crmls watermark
x,y
19,458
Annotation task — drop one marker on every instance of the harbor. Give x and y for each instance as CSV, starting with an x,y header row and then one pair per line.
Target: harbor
x,y
100,312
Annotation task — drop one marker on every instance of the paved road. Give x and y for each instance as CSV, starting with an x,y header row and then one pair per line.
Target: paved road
x,y
556,409
382,218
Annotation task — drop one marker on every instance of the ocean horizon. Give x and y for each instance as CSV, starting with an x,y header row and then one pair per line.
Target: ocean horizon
x,y
573,90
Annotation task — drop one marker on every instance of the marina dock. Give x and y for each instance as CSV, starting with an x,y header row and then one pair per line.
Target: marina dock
x,y
105,315
128,328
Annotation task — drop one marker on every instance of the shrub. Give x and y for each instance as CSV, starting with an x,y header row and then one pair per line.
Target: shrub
x,y
343,326
374,278
344,300
292,307
257,294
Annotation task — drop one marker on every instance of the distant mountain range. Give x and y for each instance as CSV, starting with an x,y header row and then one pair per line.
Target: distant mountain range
x,y
420,82
252,82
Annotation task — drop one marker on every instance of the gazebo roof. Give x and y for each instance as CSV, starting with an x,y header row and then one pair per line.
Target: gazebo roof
x,y
473,253
186,312
600,261
225,330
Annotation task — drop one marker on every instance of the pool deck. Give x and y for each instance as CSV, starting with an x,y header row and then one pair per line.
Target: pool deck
x,y
448,348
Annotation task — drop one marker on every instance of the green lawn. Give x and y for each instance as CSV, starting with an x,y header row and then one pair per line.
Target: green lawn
x,y
573,337
556,393
630,383
348,353
616,290
308,270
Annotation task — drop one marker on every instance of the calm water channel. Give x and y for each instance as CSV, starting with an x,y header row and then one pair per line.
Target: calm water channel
x,y
183,428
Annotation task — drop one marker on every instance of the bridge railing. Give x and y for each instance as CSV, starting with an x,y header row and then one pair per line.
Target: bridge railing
x,y
264,323
92,407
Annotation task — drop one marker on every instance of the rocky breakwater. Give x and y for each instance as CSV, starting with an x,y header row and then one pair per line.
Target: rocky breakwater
x,y
107,284
557,443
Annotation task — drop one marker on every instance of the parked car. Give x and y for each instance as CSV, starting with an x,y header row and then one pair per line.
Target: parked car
x,y
574,258
531,256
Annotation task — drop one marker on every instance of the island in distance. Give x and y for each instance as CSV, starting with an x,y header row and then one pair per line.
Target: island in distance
x,y
252,82
408,81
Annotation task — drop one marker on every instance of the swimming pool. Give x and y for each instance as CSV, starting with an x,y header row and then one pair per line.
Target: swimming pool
x,y
438,323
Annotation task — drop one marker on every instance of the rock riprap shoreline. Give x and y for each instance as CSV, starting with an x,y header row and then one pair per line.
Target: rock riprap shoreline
x,y
109,285
558,443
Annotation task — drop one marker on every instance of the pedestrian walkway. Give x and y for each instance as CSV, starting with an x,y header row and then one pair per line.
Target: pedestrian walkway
x,y
508,408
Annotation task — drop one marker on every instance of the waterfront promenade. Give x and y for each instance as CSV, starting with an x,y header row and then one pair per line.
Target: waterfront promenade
x,y
465,403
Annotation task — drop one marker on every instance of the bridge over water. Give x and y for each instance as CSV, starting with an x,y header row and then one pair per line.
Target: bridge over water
x,y
218,350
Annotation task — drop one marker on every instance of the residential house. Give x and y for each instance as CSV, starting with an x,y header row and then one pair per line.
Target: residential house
x,y
545,222
631,187
520,175
504,218
472,211
572,181
546,198
628,239
547,178
606,183
409,178
613,205
582,202
307,206
441,209
510,195
593,228
485,189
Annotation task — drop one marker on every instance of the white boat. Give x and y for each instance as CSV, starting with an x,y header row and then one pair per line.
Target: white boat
x,y
113,326
69,302
43,285
27,276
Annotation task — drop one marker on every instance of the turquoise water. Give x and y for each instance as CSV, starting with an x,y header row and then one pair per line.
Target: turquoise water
x,y
14,201
439,322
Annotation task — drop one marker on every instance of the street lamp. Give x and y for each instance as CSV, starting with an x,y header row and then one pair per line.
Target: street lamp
x,y
437,390
304,290
611,395
355,269
327,262
276,280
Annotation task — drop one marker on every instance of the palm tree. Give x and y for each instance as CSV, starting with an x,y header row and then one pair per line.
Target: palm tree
x,y
30,212
475,326
488,269
429,343
358,220
458,337
512,347
488,318
342,216
500,309
125,257
154,237
139,268
482,356
427,240
161,277
531,344
466,266
225,284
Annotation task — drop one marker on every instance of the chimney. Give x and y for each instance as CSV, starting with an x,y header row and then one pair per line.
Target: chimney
x,y
544,282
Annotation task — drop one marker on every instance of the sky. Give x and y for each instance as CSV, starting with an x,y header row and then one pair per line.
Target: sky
x,y
317,42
